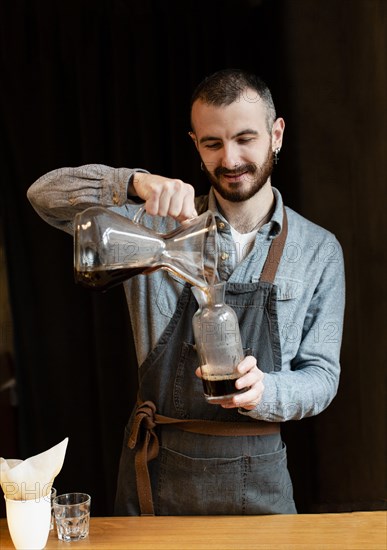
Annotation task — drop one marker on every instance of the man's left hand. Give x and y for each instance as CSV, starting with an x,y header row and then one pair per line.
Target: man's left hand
x,y
252,379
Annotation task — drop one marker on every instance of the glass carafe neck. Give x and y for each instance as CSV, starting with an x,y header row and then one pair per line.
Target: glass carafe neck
x,y
212,295
216,294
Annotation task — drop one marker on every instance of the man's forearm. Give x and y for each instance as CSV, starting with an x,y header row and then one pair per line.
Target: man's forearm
x,y
60,194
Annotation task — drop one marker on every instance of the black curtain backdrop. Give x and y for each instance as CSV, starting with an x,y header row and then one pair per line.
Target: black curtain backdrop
x,y
99,81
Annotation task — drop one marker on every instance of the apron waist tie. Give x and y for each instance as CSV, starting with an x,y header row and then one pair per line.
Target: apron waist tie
x,y
143,434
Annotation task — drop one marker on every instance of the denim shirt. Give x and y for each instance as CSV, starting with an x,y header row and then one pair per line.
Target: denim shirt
x,y
310,281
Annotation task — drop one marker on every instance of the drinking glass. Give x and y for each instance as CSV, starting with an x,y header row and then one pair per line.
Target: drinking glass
x,y
72,516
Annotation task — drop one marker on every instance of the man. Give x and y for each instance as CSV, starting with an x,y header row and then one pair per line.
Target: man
x,y
285,280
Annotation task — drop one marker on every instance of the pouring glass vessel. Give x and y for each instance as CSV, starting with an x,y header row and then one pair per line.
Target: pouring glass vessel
x,y
110,248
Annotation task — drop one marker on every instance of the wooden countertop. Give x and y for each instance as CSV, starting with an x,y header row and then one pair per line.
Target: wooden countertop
x,y
347,531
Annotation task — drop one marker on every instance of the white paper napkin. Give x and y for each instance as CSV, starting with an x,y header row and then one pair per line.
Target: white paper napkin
x,y
32,478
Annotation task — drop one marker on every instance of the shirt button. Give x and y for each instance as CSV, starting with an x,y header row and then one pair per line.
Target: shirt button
x,y
224,256
221,225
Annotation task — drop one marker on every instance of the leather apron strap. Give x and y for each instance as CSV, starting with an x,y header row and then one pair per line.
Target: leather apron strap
x,y
144,436
275,253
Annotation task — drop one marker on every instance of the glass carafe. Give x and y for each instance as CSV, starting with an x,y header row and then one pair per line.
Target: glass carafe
x,y
218,343
110,248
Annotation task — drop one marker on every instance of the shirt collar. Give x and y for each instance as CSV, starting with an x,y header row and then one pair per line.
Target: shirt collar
x,y
275,221
278,214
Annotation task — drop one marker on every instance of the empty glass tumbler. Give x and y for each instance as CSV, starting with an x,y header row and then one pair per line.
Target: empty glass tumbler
x,y
72,516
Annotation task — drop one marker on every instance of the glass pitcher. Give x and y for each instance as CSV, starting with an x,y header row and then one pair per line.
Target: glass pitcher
x,y
218,343
110,248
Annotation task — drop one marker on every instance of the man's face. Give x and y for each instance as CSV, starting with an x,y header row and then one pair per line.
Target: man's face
x,y
235,145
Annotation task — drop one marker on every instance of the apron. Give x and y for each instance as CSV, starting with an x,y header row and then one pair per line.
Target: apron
x,y
183,456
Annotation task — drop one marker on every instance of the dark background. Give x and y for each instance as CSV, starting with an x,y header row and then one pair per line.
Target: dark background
x,y
93,81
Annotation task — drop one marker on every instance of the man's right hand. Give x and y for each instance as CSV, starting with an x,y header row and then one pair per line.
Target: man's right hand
x,y
164,196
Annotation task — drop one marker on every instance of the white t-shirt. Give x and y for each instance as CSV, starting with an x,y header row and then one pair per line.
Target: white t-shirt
x,y
243,243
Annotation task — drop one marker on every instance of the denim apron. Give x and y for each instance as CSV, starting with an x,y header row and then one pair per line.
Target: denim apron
x,y
201,459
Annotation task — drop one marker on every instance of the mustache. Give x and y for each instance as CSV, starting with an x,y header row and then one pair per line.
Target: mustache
x,y
238,170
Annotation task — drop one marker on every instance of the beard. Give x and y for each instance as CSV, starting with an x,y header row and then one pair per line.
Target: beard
x,y
254,179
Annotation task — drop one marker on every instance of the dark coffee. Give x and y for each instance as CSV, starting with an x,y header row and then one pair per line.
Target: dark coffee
x,y
218,388
103,279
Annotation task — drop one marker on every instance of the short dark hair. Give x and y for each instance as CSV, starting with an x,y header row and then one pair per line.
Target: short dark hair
x,y
226,86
